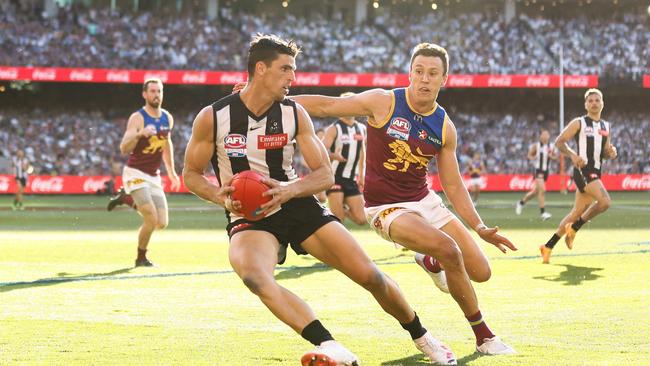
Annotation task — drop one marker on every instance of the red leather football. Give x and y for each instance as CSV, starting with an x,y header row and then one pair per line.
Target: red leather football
x,y
248,190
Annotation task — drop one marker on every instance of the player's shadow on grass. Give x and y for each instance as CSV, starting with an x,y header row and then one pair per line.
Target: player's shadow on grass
x,y
419,359
573,275
292,272
62,277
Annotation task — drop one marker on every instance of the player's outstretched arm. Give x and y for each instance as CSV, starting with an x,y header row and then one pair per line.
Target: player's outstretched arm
x,y
456,192
562,143
197,157
374,103
134,130
319,179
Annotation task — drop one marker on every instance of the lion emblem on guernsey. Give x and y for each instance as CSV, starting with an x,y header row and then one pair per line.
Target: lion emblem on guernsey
x,y
405,157
156,144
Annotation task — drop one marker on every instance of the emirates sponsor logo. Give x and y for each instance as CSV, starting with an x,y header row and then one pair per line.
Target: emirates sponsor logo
x,y
346,79
162,75
518,183
579,81
461,81
308,79
47,185
93,185
538,81
118,76
4,184
81,75
500,81
641,183
44,74
194,78
232,77
384,80
272,141
8,73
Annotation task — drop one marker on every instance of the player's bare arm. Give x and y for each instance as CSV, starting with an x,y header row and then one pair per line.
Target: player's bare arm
x,y
168,157
134,130
532,152
456,192
562,143
197,157
374,103
610,149
319,179
328,140
362,165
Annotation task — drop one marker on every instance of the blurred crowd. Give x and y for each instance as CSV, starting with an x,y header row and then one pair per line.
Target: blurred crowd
x,y
87,143
480,42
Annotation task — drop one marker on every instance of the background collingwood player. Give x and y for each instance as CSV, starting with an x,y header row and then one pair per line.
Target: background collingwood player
x,y
592,137
540,153
346,141
22,169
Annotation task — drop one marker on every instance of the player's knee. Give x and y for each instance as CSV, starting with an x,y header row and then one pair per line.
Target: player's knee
x,y
604,204
359,220
255,284
481,275
450,255
373,279
160,224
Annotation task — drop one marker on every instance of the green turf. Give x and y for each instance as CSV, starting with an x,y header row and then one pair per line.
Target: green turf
x,y
68,294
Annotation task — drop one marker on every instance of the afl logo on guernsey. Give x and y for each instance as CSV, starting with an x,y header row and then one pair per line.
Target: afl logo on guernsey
x,y
399,129
235,145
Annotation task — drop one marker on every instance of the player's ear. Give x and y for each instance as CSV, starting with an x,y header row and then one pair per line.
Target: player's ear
x,y
444,79
260,67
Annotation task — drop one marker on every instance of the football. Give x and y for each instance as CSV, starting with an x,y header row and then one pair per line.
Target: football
x,y
248,190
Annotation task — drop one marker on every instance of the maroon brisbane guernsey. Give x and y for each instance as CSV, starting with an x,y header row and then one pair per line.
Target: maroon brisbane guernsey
x,y
147,154
399,151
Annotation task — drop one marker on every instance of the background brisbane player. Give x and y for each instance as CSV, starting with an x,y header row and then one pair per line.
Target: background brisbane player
x,y
147,140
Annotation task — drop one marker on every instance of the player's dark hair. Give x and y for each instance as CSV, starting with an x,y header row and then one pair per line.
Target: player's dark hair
x,y
431,50
267,48
151,81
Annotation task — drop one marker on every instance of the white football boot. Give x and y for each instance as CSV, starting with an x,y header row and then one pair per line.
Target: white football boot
x,y
439,279
495,346
545,216
519,208
329,353
438,353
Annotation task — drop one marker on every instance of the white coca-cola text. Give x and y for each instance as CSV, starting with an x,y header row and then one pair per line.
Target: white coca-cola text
x,y
639,183
47,184
518,183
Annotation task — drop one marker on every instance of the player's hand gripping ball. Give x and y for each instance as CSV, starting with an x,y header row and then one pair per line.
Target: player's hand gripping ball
x,y
248,190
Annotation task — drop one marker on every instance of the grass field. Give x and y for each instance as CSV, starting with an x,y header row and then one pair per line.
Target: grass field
x,y
69,294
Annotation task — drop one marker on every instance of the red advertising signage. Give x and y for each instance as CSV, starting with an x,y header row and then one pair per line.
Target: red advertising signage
x,y
69,184
646,81
84,75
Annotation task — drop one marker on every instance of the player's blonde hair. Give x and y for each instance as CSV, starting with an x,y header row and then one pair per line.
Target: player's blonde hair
x,y
593,91
431,50
347,94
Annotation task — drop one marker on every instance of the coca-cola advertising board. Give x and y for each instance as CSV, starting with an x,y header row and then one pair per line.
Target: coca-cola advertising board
x,y
66,74
68,184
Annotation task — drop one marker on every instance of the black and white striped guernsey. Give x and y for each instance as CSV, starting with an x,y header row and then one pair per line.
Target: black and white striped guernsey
x,y
591,140
542,156
19,167
263,143
349,141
